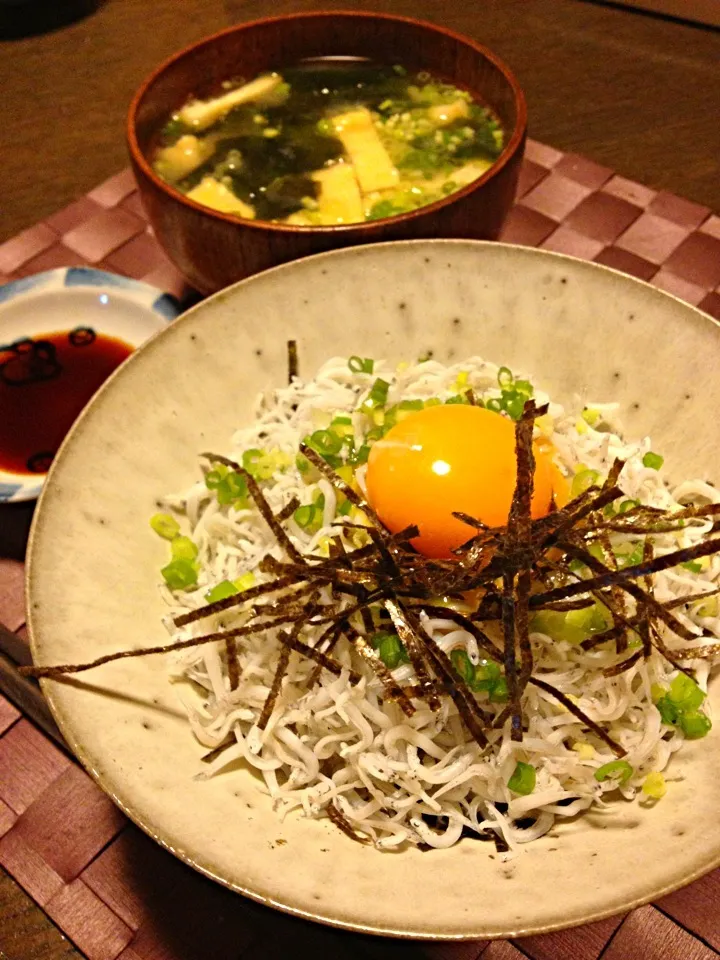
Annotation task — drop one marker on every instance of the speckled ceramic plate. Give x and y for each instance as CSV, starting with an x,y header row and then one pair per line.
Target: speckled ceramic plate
x,y
577,328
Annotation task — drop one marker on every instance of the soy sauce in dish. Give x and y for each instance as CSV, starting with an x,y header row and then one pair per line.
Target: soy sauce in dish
x,y
44,384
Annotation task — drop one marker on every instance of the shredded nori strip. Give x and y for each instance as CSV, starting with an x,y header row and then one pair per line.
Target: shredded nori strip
x,y
573,708
470,711
210,609
213,754
629,574
271,700
293,367
387,577
337,481
342,823
624,665
288,510
61,669
415,646
392,688
322,659
233,668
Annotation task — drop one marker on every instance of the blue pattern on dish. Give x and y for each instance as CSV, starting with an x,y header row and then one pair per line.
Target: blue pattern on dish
x,y
89,277
15,287
167,306
8,491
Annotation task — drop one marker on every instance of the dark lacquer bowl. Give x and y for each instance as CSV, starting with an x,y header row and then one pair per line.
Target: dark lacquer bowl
x,y
215,249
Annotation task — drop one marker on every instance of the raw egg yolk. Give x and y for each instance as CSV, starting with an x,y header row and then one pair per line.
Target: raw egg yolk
x,y
450,458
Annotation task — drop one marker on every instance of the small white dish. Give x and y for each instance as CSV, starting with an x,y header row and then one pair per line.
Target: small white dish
x,y
64,299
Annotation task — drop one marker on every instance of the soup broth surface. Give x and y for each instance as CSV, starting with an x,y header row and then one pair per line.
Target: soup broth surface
x,y
328,142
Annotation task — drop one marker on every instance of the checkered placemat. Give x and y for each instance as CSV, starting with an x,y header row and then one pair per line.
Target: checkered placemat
x,y
565,203
114,892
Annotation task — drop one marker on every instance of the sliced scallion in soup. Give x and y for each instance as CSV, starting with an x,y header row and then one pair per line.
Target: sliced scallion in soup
x,y
328,142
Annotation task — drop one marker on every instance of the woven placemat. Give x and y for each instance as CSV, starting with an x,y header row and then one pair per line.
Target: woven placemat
x,y
114,892
565,203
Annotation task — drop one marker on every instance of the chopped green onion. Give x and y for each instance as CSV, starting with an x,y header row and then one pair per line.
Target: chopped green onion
x,y
361,365
657,692
523,779
303,516
694,566
695,724
487,677
505,377
685,693
377,638
513,404
590,416
183,548
180,574
615,768
410,405
708,608
595,550
668,711
222,590
629,557
245,581
463,665
575,625
229,486
342,426
378,394
250,460
310,516
165,526
215,477
499,691
433,402
326,442
654,786
653,460
344,508
582,481
458,398
524,387
626,505
360,455
392,652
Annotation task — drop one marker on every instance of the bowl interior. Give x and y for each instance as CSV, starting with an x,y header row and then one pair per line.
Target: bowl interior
x,y
577,329
271,44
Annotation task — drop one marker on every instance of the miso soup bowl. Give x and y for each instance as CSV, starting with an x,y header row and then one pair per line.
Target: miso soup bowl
x,y
214,249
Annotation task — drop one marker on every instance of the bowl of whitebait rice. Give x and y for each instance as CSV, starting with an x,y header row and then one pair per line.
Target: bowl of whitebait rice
x,y
394,569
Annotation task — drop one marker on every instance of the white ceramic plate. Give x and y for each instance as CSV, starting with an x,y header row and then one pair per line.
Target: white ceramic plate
x,y
66,298
577,328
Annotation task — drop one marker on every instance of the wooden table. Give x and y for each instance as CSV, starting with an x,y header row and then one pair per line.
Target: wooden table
x,y
634,92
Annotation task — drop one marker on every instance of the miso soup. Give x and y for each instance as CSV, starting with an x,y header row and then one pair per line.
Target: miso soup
x,y
328,142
